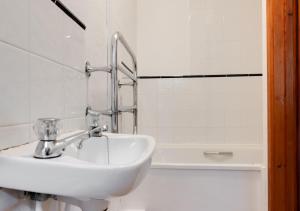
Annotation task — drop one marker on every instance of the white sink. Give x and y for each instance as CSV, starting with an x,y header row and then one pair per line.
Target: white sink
x,y
99,170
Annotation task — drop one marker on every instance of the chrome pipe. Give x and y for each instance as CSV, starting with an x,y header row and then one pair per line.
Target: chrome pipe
x,y
132,74
90,111
119,37
127,73
90,69
135,111
128,109
114,86
124,65
126,83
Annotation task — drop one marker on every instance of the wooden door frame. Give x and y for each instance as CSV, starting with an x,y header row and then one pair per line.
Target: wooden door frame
x,y
298,86
283,102
298,102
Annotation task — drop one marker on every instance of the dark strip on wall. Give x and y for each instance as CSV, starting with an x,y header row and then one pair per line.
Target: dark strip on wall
x,y
204,76
61,6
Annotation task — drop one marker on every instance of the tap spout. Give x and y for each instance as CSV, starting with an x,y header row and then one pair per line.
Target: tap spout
x,y
63,143
49,146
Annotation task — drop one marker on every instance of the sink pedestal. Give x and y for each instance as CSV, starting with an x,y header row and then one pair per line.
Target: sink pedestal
x,y
85,205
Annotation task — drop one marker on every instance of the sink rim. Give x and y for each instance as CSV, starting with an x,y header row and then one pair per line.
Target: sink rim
x,y
69,161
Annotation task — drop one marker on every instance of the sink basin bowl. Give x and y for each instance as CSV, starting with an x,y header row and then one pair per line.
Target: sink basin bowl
x,y
99,169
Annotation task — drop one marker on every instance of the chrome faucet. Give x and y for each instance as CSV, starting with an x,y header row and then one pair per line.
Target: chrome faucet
x,y
47,130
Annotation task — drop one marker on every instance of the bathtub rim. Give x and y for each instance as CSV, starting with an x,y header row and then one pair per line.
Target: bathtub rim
x,y
217,167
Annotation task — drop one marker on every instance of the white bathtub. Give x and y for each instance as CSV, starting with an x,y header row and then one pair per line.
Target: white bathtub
x,y
216,157
195,178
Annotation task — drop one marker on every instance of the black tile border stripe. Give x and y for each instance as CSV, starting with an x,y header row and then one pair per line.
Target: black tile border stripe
x,y
204,76
61,6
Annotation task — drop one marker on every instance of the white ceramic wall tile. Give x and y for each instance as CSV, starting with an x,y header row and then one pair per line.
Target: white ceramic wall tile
x,y
165,134
126,123
150,131
147,103
75,93
190,135
243,135
228,40
202,110
40,80
58,37
73,45
46,89
123,18
47,34
14,135
74,124
14,22
14,85
199,37
96,39
163,37
98,93
96,36
79,9
214,135
126,93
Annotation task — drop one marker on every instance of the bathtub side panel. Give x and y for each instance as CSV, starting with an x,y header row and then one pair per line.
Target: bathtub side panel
x,y
196,190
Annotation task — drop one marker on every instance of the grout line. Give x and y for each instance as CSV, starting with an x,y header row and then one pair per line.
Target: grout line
x,y
41,56
56,62
26,124
19,145
15,125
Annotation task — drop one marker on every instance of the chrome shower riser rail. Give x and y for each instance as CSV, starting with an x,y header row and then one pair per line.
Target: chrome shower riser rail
x,y
116,84
132,74
123,109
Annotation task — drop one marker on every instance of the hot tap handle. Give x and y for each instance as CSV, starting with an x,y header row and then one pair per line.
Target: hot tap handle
x,y
47,129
